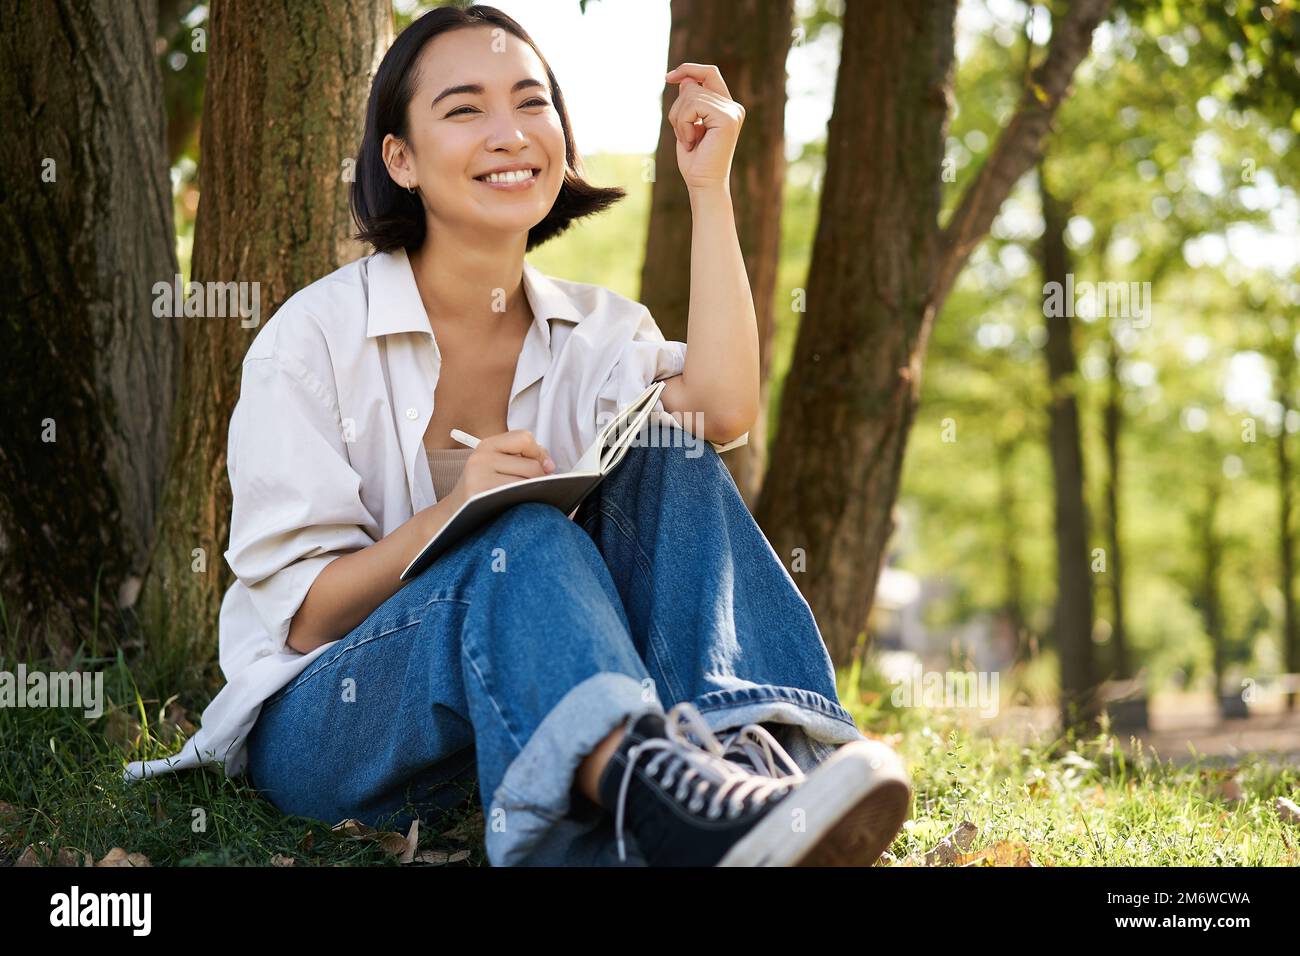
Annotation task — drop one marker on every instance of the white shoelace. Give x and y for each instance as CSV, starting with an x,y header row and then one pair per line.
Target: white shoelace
x,y
699,762
763,751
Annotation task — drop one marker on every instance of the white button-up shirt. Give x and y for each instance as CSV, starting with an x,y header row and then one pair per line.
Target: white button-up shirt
x,y
326,452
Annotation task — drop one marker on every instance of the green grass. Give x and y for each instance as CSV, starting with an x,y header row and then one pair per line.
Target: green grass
x,y
62,780
1085,802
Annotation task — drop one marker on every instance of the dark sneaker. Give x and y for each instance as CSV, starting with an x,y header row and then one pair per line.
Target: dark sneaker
x,y
687,805
684,803
755,748
870,827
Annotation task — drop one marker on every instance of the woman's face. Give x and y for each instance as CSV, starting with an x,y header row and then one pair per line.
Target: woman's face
x,y
456,138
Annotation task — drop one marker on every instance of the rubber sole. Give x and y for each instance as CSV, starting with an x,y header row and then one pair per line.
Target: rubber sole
x,y
851,807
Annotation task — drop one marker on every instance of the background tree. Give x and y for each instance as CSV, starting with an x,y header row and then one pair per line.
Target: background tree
x,y
749,41
881,270
285,107
1072,621
88,382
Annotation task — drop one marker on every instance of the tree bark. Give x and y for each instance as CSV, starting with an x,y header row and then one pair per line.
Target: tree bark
x,y
1013,603
1208,598
1113,424
826,504
1073,619
88,384
1286,384
880,272
284,111
749,41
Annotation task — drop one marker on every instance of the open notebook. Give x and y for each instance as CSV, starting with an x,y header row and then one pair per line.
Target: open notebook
x,y
566,490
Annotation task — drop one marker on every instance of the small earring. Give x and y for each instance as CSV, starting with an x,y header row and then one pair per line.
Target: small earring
x,y
410,189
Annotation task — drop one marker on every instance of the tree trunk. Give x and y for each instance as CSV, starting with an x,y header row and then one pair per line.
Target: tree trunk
x,y
880,272
1211,604
1013,604
1286,537
1113,425
284,111
1073,620
851,395
749,41
88,384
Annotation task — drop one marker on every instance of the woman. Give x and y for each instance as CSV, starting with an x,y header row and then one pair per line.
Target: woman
x,y
537,654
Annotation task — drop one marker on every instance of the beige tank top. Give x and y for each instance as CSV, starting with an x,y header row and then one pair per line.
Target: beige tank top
x,y
445,466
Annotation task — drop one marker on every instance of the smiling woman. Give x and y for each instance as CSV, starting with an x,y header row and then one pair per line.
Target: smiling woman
x,y
413,162
546,654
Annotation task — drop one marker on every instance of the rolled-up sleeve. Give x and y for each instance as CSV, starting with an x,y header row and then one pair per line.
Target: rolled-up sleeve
x,y
296,498
647,357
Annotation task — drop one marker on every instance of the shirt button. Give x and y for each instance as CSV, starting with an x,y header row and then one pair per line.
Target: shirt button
x,y
412,413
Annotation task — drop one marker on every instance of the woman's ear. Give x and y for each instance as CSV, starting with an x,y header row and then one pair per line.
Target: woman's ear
x,y
397,160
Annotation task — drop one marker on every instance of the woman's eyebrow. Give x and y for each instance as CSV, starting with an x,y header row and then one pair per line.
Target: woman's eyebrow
x,y
477,88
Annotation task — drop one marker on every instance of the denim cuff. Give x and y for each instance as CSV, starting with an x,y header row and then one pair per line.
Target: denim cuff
x,y
533,818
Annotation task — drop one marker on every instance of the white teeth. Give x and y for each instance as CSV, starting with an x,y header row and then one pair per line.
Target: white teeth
x,y
514,176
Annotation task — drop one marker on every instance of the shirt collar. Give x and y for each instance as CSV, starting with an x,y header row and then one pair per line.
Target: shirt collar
x,y
394,304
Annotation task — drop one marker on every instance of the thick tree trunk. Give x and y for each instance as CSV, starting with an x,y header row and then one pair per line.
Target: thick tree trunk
x,y
1113,425
826,504
88,381
1073,621
283,116
880,272
749,41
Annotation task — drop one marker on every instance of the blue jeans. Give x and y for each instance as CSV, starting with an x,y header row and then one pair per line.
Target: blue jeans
x,y
516,652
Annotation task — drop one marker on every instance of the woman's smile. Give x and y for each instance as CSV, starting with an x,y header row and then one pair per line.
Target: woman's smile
x,y
514,181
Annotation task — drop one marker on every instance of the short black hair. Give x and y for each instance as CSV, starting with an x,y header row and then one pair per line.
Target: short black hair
x,y
388,216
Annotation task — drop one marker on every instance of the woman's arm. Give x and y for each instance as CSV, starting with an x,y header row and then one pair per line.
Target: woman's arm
x,y
720,379
350,587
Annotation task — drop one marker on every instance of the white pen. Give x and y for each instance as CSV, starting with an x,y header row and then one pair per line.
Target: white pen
x,y
465,438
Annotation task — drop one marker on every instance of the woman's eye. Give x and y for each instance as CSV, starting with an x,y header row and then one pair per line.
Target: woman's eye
x,y
535,101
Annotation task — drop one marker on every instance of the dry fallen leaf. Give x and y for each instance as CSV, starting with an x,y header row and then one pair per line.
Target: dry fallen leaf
x,y
1002,853
1222,783
176,719
71,856
389,841
1287,811
467,829
119,857
947,851
281,860
30,857
354,829
412,838
121,728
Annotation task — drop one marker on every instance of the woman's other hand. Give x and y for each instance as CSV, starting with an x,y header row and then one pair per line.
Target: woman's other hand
x,y
706,121
500,460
